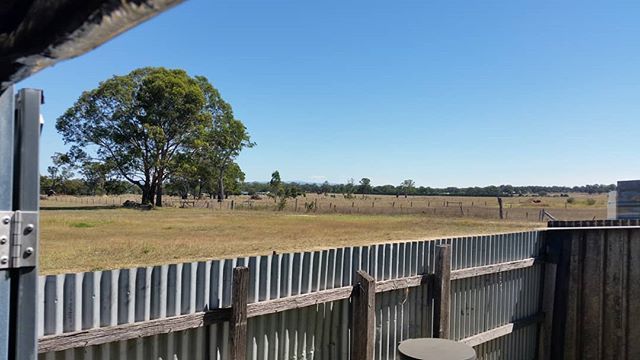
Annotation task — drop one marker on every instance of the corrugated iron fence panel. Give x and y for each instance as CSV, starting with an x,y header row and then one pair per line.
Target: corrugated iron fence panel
x,y
73,302
482,303
519,345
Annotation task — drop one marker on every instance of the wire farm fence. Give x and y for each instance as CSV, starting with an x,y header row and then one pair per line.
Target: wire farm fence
x,y
482,302
455,207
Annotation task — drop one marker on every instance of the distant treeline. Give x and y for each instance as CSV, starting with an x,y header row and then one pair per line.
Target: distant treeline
x,y
84,186
89,186
502,190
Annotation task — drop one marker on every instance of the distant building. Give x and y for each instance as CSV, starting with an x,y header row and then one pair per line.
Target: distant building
x,y
624,203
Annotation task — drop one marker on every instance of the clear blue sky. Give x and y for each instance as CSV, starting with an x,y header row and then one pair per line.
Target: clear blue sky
x,y
450,93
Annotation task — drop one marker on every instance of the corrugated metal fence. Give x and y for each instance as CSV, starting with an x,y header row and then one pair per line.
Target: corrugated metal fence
x,y
73,302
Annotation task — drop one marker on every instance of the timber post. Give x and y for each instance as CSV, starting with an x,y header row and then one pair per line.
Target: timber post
x,y
442,292
238,324
363,311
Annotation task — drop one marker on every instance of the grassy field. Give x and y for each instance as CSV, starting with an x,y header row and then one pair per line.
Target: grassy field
x,y
87,237
580,207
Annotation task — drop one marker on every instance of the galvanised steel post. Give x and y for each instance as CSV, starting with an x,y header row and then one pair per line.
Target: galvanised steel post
x,y
6,197
26,199
19,205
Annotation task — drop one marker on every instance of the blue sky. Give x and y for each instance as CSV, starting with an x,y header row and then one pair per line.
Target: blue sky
x,y
447,93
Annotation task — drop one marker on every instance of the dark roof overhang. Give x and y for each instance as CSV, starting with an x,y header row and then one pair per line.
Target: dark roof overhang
x,y
35,34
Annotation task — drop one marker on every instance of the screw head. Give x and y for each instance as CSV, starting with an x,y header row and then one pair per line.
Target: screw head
x,y
28,229
4,260
3,240
28,251
6,220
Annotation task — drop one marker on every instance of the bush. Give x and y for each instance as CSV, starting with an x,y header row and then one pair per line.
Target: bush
x,y
310,206
571,200
281,204
591,201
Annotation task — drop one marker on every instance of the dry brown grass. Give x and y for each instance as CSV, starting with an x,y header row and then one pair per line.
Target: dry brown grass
x,y
94,239
515,208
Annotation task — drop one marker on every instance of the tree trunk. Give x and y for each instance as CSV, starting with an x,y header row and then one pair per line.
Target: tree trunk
x,y
159,194
147,197
157,188
221,186
148,189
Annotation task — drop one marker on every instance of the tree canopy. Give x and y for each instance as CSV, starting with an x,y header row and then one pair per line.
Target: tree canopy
x,y
152,124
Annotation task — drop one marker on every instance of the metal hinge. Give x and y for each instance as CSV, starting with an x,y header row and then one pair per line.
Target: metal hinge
x,y
18,239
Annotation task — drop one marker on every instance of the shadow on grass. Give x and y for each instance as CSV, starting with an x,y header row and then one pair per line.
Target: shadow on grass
x,y
98,207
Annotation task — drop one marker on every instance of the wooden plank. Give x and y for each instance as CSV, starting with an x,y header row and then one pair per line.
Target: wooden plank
x,y
494,268
613,330
624,279
503,330
402,283
592,290
442,296
548,287
559,245
123,332
633,294
573,289
363,316
298,301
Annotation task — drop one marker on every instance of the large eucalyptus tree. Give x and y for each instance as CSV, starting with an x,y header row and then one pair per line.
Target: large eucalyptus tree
x,y
143,124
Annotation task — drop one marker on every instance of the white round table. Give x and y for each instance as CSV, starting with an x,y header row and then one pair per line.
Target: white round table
x,y
435,349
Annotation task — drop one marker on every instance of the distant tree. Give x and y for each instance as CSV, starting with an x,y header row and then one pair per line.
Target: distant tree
x,y
293,190
45,184
349,188
189,177
60,172
326,187
119,187
233,179
95,175
276,182
277,190
225,137
365,186
407,187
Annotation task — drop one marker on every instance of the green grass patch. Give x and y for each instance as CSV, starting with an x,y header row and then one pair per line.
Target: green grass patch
x,y
82,225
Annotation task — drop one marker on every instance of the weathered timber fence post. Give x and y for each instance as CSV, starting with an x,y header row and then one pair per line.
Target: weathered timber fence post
x,y
363,304
500,206
427,280
442,292
553,243
238,324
